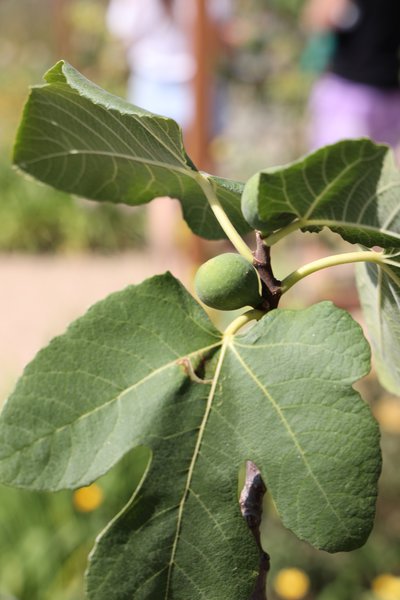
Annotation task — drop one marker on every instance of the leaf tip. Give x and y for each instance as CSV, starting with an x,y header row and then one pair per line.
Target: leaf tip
x,y
56,72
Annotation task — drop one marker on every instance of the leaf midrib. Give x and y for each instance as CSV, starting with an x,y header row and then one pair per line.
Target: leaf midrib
x,y
302,223
193,461
74,152
320,197
363,226
68,88
112,400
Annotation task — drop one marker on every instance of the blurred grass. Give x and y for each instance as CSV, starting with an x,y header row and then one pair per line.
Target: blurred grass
x,y
33,217
45,540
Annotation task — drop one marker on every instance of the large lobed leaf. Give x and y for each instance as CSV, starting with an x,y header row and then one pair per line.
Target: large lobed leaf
x,y
82,140
281,395
352,187
87,398
379,290
178,537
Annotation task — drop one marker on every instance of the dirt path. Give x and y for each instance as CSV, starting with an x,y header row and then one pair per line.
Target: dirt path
x,y
41,295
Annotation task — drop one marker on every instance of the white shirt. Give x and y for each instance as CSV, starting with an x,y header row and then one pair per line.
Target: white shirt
x,y
158,44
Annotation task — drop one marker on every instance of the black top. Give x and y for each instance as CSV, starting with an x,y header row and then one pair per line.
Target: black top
x,y
368,51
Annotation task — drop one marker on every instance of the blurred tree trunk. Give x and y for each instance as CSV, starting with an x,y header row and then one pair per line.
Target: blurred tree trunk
x,y
199,134
61,30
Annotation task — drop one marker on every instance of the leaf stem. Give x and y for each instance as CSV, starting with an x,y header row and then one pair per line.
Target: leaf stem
x,y
241,321
222,217
330,261
281,233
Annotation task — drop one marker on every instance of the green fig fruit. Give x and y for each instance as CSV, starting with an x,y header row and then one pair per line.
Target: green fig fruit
x,y
250,203
228,282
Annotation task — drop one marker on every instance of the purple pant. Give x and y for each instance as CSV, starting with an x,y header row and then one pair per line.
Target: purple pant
x,y
341,109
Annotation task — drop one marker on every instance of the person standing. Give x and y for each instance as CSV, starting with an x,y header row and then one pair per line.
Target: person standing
x,y
359,93
157,35
158,40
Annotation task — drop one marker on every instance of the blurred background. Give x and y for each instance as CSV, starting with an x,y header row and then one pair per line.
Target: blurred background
x,y
58,255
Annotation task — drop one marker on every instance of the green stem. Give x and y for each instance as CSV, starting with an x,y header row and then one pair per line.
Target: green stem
x,y
281,233
330,261
241,321
223,219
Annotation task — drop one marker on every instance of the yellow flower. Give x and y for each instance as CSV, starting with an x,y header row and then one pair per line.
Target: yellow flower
x,y
291,584
88,498
386,587
387,413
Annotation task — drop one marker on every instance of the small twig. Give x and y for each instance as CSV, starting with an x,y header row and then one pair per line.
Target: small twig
x,y
251,500
271,287
188,368
233,236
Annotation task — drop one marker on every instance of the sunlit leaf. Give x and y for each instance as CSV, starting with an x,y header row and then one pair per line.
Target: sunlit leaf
x,y
86,398
280,395
379,289
352,187
83,140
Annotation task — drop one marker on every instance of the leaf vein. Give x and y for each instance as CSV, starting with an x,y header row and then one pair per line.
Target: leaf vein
x,y
291,433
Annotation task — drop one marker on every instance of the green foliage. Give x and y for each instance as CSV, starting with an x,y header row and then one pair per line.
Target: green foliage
x,y
228,282
350,187
379,288
45,539
39,219
146,367
130,391
85,141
